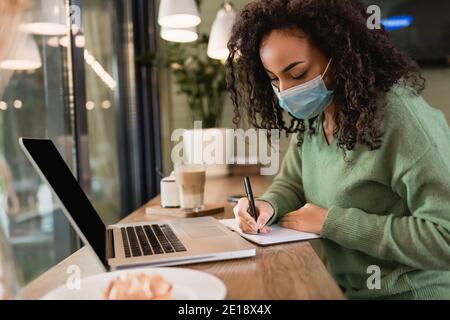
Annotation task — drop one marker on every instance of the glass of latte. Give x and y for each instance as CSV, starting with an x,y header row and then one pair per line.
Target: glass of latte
x,y
191,185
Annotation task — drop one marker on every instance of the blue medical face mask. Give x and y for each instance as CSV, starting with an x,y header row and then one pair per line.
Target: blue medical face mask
x,y
307,100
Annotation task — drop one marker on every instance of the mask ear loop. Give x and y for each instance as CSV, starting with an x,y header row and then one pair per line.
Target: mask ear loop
x,y
326,69
276,89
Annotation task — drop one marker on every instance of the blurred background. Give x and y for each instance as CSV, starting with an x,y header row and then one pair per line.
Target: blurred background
x,y
110,80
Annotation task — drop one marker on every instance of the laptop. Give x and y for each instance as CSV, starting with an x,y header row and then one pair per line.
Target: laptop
x,y
155,243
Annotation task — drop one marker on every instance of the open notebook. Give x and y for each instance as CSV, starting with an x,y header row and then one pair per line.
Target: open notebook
x,y
278,234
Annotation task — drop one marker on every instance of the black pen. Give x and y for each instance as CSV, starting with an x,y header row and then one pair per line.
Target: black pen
x,y
251,199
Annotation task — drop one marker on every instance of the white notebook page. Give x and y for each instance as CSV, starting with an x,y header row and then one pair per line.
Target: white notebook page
x,y
278,234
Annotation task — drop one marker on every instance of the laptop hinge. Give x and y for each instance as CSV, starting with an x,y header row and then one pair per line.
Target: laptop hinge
x,y
109,244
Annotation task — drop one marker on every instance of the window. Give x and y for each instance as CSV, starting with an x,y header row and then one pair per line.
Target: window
x,y
34,102
76,86
101,74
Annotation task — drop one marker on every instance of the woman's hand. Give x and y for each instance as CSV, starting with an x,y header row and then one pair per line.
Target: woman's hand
x,y
264,212
309,218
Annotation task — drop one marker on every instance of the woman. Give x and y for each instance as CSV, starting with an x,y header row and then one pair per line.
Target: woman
x,y
368,167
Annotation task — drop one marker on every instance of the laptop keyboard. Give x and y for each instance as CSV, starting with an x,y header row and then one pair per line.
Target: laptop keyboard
x,y
151,239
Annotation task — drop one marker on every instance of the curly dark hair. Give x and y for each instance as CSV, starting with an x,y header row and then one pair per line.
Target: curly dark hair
x,y
365,66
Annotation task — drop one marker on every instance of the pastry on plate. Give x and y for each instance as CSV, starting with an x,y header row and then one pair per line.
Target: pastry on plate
x,y
142,286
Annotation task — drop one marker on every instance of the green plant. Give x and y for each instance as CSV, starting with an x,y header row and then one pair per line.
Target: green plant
x,y
199,78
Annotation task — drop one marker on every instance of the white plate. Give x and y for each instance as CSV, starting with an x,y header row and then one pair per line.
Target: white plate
x,y
187,285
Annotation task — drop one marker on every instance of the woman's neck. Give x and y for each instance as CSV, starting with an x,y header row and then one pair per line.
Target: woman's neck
x,y
330,113
329,122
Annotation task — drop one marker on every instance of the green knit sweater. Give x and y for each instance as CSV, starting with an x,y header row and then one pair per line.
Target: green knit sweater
x,y
388,208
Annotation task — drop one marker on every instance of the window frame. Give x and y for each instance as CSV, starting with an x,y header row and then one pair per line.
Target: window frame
x,y
137,112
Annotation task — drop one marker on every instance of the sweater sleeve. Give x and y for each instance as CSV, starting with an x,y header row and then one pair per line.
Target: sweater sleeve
x,y
286,192
421,239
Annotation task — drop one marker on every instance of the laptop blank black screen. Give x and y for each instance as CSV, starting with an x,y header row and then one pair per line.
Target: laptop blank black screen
x,y
69,192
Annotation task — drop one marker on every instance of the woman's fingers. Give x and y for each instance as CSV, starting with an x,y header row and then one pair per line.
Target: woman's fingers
x,y
263,218
289,219
288,225
265,213
265,230
246,228
295,225
246,222
292,217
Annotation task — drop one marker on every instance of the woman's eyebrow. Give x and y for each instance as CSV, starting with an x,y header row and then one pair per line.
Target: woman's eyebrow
x,y
289,67
293,64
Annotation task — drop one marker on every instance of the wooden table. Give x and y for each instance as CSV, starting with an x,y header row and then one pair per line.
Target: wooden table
x,y
287,271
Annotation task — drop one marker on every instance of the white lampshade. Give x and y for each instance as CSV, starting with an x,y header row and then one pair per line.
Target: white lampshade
x,y
221,32
80,41
46,17
182,35
53,42
178,14
23,54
